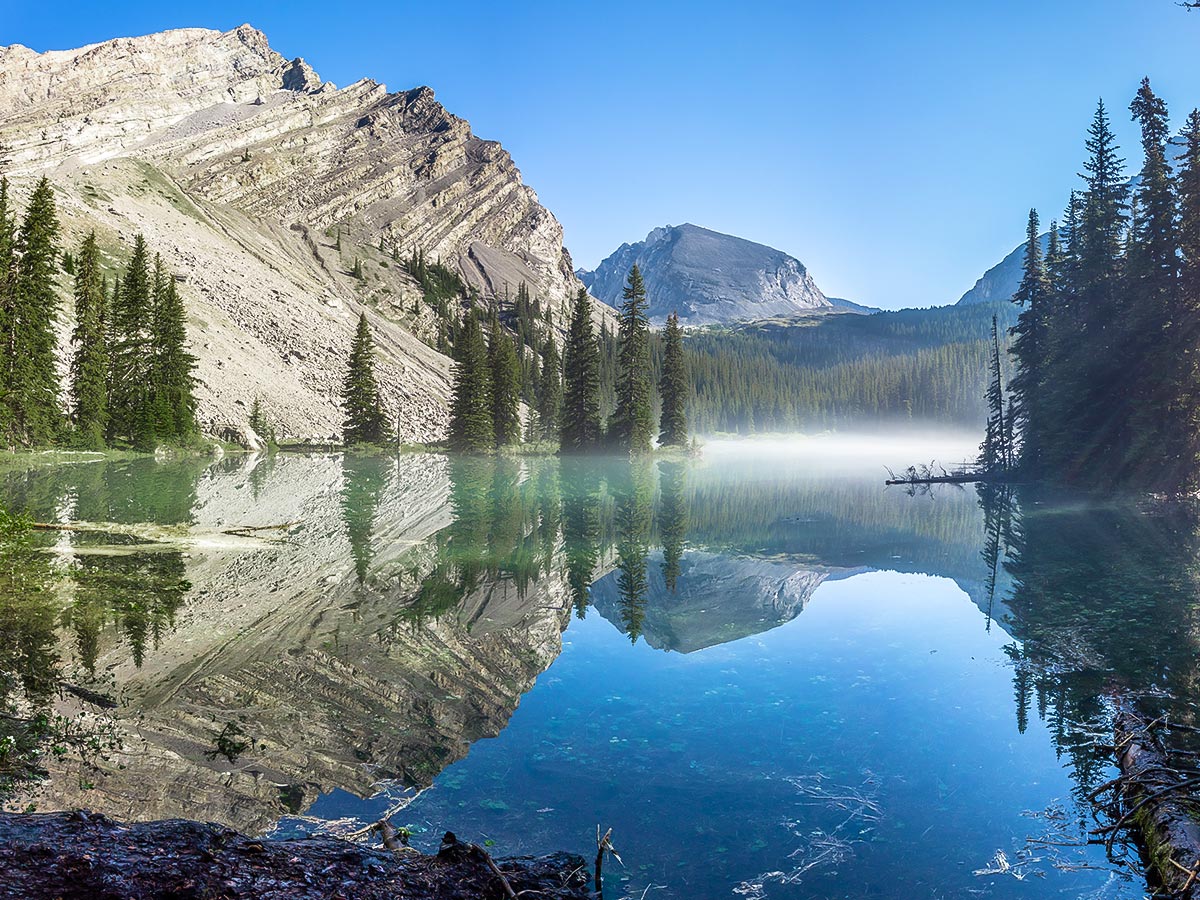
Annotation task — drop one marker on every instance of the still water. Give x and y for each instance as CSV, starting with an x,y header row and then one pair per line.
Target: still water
x,y
768,674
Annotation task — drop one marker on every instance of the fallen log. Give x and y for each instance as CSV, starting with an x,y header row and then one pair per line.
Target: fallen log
x,y
1161,805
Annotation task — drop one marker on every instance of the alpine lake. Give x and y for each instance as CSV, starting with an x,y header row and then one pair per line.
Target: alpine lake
x,y
770,675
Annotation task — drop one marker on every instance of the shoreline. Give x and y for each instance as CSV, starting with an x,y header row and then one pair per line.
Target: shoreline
x,y
46,856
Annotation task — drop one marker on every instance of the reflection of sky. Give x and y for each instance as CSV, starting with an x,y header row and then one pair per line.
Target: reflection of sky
x,y
887,688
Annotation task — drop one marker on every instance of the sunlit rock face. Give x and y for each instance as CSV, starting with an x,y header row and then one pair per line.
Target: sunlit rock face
x,y
707,277
246,172
309,647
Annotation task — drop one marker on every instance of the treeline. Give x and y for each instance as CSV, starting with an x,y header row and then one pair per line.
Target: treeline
x,y
842,370
567,404
131,377
1107,347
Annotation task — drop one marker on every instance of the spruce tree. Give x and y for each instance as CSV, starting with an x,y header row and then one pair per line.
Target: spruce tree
x,y
1029,348
673,387
89,365
1185,341
131,413
579,431
365,421
8,270
1098,365
173,381
471,427
1153,443
32,403
995,455
631,427
550,393
506,388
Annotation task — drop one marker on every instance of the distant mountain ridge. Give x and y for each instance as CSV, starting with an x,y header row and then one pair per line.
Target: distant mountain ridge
x,y
709,278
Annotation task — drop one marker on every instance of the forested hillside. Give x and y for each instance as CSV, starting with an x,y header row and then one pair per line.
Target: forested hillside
x,y
926,366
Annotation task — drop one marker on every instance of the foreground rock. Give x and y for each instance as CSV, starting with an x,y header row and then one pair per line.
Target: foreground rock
x,y
67,855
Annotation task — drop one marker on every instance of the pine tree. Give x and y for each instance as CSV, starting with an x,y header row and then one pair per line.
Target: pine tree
x,y
1029,348
173,381
32,403
673,387
8,271
89,366
131,416
1097,364
1185,342
357,271
580,424
631,428
550,393
472,429
995,455
1153,443
365,421
506,388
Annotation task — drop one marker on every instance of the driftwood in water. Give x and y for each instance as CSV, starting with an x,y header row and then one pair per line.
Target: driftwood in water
x,y
1159,802
933,473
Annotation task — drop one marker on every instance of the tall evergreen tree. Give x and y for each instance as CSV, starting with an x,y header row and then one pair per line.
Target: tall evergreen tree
x,y
1153,442
506,388
173,381
673,387
580,428
31,402
365,421
1185,341
131,413
995,456
1098,363
471,427
1029,347
8,271
631,423
89,366
550,392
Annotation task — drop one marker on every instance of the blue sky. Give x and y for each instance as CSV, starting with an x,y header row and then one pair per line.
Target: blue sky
x,y
894,148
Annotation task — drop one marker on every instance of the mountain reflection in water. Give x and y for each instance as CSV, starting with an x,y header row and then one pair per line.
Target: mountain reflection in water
x,y
931,658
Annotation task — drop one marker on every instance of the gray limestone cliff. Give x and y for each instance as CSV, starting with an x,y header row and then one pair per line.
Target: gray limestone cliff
x,y
261,186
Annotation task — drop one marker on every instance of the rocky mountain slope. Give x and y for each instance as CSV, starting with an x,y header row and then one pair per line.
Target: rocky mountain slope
x,y
708,277
261,186
1001,281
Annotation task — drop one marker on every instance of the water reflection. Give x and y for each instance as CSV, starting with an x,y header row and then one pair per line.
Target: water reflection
x,y
413,602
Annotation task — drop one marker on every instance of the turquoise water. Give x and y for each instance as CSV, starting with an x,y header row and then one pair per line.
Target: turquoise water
x,y
770,676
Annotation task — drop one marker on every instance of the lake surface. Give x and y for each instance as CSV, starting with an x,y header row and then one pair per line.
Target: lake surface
x,y
770,675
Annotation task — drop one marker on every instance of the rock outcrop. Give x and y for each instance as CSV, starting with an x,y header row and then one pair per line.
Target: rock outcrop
x,y
708,277
66,856
262,186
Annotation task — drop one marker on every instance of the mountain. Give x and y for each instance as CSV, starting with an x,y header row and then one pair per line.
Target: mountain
x,y
261,186
1001,281
708,277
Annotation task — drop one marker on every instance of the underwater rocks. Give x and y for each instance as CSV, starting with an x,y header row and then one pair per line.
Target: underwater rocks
x,y
81,855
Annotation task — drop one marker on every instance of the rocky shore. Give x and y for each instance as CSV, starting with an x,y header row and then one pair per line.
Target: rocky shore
x,y
48,856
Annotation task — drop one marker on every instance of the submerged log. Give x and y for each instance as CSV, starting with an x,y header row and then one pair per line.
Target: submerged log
x,y
1160,804
81,855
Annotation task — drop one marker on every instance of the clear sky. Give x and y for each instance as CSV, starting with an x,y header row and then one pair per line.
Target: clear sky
x,y
893,147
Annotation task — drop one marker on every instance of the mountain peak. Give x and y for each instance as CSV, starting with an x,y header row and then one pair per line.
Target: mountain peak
x,y
708,277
